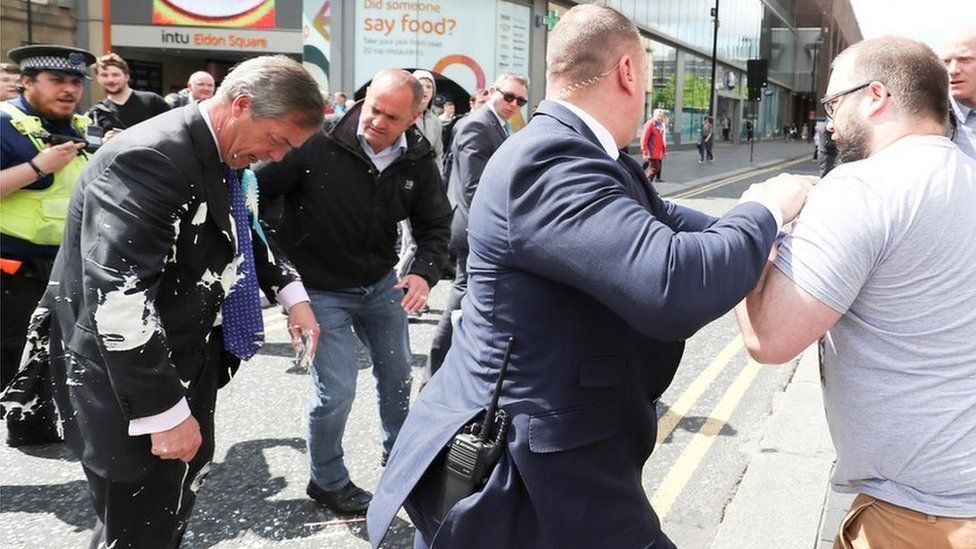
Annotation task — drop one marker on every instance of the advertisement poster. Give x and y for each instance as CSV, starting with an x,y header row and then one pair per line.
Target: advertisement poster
x,y
316,39
252,14
468,41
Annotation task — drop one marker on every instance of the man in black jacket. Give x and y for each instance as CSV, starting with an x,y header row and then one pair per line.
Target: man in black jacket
x,y
344,192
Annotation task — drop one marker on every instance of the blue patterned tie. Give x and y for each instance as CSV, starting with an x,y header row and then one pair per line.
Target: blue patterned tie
x,y
243,323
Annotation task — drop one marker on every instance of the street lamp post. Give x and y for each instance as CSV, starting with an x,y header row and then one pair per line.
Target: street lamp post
x,y
30,26
711,96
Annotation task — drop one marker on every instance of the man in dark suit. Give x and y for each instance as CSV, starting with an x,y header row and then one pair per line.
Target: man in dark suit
x,y
158,243
599,281
476,138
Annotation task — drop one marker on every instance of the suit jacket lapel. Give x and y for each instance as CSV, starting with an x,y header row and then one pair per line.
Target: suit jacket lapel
x,y
218,206
638,183
493,120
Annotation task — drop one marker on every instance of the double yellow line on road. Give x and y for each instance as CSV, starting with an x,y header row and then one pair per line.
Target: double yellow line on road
x,y
687,463
729,180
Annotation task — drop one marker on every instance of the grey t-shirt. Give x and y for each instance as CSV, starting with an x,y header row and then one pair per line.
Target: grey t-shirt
x,y
890,243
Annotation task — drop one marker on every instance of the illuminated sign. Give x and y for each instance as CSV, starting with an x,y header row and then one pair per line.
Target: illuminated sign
x,y
253,14
190,38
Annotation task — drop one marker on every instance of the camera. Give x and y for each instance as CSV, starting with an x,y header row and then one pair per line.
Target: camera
x,y
91,143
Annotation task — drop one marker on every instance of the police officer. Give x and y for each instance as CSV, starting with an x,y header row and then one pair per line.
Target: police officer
x,y
37,173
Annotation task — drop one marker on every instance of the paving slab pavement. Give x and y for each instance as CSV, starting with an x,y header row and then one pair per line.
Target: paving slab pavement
x,y
785,498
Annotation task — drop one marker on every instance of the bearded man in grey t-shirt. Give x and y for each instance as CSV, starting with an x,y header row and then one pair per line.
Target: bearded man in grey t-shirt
x,y
881,264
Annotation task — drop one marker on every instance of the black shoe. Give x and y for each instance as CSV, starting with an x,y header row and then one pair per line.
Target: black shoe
x,y
350,499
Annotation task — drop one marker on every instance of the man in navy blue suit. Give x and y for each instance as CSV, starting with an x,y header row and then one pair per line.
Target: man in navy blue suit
x,y
599,281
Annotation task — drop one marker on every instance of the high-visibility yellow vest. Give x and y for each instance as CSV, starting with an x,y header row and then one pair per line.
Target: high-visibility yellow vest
x,y
38,216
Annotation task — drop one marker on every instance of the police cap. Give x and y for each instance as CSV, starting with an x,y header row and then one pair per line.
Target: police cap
x,y
48,57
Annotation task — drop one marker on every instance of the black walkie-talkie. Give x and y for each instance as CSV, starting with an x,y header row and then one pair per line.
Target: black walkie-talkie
x,y
475,450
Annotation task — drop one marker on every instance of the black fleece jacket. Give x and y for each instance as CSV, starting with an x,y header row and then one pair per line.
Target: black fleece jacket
x,y
337,214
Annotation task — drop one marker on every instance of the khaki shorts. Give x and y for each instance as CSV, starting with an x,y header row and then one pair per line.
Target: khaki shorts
x,y
876,524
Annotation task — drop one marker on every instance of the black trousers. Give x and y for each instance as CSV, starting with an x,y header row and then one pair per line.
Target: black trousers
x,y
19,295
655,164
705,149
155,511
445,330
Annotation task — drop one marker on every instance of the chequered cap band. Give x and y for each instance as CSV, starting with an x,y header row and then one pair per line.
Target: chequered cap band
x,y
74,62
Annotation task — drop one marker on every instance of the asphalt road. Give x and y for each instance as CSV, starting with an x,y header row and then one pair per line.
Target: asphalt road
x,y
714,411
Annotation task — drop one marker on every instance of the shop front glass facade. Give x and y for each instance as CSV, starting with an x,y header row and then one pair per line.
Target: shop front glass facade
x,y
750,29
661,92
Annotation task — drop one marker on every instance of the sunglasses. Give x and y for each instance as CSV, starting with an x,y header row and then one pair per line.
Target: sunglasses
x,y
509,97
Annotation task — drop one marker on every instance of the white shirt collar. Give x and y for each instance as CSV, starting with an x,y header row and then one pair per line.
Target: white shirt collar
x,y
599,130
399,145
206,119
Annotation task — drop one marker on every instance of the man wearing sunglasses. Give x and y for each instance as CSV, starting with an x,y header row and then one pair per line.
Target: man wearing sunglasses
x,y
476,138
879,267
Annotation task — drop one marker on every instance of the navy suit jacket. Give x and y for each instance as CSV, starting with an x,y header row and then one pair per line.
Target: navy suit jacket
x,y
476,138
599,281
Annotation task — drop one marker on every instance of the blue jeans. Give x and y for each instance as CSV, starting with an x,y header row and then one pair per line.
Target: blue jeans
x,y
373,314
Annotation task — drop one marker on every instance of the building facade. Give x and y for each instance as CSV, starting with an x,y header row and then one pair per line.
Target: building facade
x,y
794,36
468,43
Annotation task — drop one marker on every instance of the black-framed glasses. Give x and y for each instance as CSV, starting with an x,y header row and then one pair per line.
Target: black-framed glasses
x,y
509,97
831,102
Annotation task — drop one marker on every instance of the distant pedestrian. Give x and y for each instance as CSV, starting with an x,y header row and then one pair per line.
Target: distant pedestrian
x,y
749,130
199,86
447,115
339,105
726,128
705,141
428,123
653,147
818,132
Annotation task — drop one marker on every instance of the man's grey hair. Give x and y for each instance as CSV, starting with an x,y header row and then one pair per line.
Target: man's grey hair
x,y
401,77
915,76
279,87
518,77
585,44
658,111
